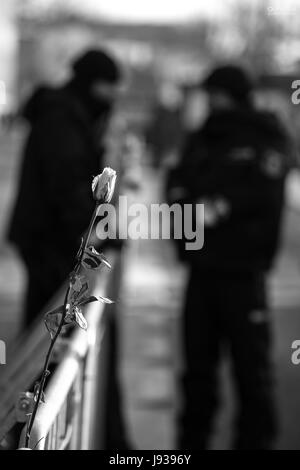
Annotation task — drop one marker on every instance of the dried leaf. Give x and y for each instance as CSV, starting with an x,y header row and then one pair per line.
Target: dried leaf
x,y
53,319
93,260
76,282
82,288
94,298
55,311
105,260
79,318
105,300
87,300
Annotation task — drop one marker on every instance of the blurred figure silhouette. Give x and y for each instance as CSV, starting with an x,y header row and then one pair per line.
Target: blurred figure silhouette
x,y
165,130
63,151
236,165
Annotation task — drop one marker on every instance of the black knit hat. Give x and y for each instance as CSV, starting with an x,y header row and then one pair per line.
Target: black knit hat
x,y
96,65
230,78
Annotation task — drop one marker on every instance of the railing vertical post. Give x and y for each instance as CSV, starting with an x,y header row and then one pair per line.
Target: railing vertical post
x,y
109,429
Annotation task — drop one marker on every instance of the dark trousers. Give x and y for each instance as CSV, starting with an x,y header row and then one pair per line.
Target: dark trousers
x,y
45,275
227,314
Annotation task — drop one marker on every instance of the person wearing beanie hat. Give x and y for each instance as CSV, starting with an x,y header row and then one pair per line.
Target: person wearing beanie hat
x,y
54,203
231,80
95,81
96,65
235,164
62,153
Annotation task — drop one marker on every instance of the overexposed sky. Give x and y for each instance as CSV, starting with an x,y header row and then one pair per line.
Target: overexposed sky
x,y
161,11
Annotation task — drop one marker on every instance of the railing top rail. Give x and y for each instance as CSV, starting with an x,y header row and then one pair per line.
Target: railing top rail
x,y
65,375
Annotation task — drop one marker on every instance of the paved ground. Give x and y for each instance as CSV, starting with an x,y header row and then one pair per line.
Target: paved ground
x,y
151,299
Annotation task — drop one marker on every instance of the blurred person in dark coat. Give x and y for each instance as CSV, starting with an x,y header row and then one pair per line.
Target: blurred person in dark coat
x,y
236,165
63,151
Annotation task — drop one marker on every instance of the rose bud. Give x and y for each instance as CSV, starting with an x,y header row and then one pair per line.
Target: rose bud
x,y
103,185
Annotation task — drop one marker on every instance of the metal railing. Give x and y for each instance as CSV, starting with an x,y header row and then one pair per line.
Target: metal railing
x,y
73,415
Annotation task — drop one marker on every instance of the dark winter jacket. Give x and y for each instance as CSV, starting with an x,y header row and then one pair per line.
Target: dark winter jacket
x,y
54,202
239,157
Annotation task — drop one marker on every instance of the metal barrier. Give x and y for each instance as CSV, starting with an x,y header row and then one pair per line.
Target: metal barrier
x,y
73,415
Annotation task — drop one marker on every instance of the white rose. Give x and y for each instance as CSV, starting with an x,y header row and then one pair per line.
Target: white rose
x,y
103,185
